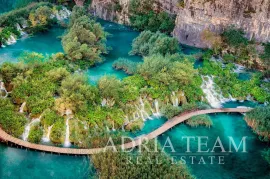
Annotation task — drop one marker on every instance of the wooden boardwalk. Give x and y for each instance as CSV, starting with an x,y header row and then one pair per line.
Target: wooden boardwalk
x,y
138,141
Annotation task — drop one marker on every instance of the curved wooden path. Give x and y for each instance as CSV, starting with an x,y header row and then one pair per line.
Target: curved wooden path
x,y
138,141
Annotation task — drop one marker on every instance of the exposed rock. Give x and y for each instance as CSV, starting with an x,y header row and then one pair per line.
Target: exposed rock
x,y
198,15
111,10
195,16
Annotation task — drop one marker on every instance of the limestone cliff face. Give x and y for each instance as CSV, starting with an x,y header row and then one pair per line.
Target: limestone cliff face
x,y
195,16
253,16
109,10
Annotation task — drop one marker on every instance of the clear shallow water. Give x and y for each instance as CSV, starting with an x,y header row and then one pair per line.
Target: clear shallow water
x,y
237,165
17,162
45,43
120,41
21,163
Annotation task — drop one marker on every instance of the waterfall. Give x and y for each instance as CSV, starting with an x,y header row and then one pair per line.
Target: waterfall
x,y
11,40
107,128
144,114
61,15
3,88
20,30
157,113
103,102
174,99
22,107
28,127
68,114
67,142
212,93
239,68
47,137
249,97
113,129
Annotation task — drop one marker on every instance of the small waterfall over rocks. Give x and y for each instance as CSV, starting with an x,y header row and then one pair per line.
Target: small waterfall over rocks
x,y
28,127
11,40
3,89
156,105
239,68
174,99
20,30
47,137
62,14
212,93
22,107
67,141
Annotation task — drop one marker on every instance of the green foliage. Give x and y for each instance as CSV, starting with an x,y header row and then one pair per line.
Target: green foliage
x,y
128,66
235,37
259,119
16,16
266,155
159,70
266,55
49,117
76,94
144,17
6,33
149,43
10,121
110,88
35,134
85,40
57,132
169,111
124,165
229,83
201,120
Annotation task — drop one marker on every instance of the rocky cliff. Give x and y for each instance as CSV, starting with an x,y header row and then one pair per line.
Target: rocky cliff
x,y
195,16
111,10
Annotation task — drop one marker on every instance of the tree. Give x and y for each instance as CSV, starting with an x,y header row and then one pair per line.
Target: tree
x,y
149,43
266,55
11,122
85,40
144,17
110,89
75,94
235,37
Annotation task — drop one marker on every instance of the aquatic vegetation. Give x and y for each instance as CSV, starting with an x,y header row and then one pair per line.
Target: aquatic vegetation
x,y
266,155
258,120
201,120
126,65
119,164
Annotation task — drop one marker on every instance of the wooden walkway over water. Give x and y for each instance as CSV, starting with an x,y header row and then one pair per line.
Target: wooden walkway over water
x,y
138,141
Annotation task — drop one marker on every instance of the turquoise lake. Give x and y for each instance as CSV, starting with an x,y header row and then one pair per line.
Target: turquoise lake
x,y
19,162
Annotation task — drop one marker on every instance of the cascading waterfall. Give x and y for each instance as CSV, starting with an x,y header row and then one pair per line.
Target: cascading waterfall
x,y
174,99
11,40
213,94
157,113
3,88
47,137
239,68
22,107
28,127
67,141
20,30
